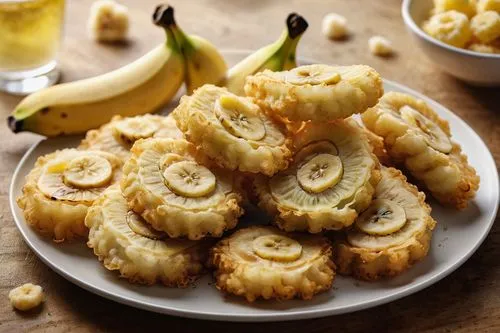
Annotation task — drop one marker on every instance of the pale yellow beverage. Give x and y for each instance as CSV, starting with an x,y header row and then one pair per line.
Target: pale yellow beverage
x,y
30,36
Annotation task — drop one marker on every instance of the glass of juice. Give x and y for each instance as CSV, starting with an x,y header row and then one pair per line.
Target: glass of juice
x,y
30,36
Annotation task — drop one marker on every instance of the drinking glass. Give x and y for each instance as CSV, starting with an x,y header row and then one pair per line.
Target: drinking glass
x,y
30,36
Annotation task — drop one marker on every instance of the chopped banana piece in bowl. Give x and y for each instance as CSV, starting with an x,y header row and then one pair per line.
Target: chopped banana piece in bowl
x,y
61,187
264,262
486,26
450,27
120,133
417,137
123,241
233,131
179,191
467,7
486,5
390,235
316,92
332,178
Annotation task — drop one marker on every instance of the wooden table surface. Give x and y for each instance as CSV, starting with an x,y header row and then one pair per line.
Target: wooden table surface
x,y
466,301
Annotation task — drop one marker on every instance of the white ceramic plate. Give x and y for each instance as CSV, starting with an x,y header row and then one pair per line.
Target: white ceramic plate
x,y
457,236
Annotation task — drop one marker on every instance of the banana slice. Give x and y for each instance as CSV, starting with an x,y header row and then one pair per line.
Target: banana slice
x,y
240,117
381,244
137,225
313,76
123,241
118,136
316,92
77,176
88,172
264,262
177,190
277,248
61,187
434,135
331,179
383,217
320,173
414,135
189,179
233,131
132,129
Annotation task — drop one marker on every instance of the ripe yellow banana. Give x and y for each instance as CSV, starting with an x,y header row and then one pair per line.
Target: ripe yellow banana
x,y
143,86
204,64
277,56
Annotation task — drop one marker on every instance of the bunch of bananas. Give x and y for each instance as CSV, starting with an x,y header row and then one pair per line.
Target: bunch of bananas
x,y
153,192
149,83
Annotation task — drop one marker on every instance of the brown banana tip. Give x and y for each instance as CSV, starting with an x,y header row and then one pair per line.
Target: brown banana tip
x,y
14,124
164,16
296,25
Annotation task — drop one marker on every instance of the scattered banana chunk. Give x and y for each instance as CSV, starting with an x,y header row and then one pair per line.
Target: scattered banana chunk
x,y
334,26
416,136
123,241
61,187
390,235
108,21
119,135
233,131
450,27
331,179
486,26
26,297
263,262
380,46
168,183
486,5
316,92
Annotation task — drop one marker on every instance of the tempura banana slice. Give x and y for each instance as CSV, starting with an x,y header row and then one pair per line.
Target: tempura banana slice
x,y
391,235
123,241
177,190
331,179
416,136
233,131
264,262
120,133
61,187
316,92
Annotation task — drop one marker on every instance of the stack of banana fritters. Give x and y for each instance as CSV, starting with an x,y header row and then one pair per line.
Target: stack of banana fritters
x,y
291,147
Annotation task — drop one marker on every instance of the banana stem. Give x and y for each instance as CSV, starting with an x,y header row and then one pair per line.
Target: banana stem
x,y
163,16
183,40
14,124
296,25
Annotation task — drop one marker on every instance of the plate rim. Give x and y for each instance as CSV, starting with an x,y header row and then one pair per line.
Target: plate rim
x,y
264,317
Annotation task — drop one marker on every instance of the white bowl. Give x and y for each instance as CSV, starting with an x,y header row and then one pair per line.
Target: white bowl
x,y
473,67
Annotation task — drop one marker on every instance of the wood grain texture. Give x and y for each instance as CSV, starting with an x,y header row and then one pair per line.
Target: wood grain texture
x,y
466,301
